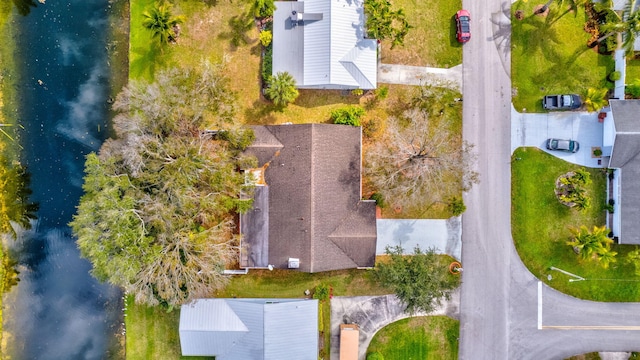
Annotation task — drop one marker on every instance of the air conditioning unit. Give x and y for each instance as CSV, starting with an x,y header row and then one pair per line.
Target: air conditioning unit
x,y
294,263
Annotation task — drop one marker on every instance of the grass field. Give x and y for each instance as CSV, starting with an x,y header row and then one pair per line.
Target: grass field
x,y
424,338
550,56
432,40
540,230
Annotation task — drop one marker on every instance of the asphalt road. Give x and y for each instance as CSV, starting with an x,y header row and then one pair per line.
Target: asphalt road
x,y
504,312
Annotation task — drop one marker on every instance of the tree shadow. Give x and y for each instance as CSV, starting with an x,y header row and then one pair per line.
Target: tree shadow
x,y
147,60
261,113
24,6
238,27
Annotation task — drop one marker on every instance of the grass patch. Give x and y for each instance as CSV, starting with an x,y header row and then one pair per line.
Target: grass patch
x,y
155,333
588,356
550,56
424,337
432,40
540,230
632,70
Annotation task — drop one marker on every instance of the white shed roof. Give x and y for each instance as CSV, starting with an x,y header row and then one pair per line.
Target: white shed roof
x,y
331,52
250,329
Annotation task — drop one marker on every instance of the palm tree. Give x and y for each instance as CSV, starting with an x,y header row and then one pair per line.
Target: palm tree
x,y
606,256
281,89
634,258
161,22
627,25
587,243
573,4
596,99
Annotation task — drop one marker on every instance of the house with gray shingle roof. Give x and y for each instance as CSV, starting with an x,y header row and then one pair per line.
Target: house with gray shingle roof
x,y
308,211
322,44
621,143
250,329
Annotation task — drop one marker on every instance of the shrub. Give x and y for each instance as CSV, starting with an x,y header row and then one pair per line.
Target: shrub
x,y
597,152
263,8
379,199
612,202
348,115
320,318
267,64
609,208
265,37
321,292
456,206
357,92
382,92
633,88
614,76
375,356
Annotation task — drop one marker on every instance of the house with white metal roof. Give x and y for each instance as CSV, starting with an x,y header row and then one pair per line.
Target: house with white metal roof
x,y
250,329
322,44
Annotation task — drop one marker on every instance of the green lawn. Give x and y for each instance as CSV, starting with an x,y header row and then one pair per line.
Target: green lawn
x,y
423,338
432,40
540,230
632,71
550,55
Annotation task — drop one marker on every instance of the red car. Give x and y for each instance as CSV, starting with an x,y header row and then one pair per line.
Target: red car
x,y
463,28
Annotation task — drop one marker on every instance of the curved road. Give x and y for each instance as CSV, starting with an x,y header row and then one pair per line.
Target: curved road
x,y
505,312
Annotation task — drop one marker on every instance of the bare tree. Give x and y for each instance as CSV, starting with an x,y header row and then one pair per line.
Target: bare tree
x,y
420,161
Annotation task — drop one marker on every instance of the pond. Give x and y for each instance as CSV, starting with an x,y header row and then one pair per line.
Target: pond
x,y
58,311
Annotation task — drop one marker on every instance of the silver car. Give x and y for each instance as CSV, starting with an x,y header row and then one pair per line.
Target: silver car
x,y
563,145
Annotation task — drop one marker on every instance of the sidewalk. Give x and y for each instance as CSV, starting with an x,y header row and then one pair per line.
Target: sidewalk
x,y
418,75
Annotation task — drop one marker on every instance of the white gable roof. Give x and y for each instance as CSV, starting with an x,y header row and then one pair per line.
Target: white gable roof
x,y
334,52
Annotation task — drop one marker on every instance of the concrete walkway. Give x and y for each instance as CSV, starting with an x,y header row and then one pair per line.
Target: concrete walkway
x,y
372,313
418,75
443,235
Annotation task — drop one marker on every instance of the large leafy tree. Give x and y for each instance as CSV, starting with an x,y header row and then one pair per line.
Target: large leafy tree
x,y
385,23
161,22
421,281
422,159
157,214
281,89
14,197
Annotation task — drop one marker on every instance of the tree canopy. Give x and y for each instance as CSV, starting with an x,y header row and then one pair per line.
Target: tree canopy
x,y
157,214
422,159
420,280
161,22
384,23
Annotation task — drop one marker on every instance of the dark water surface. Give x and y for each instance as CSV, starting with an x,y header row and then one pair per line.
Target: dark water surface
x,y
58,311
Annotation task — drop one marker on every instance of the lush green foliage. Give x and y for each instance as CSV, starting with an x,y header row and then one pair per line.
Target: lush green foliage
x,y
540,226
379,199
375,356
281,89
263,8
633,88
424,337
593,244
595,99
265,37
267,61
550,56
322,292
456,206
348,115
157,214
420,280
384,23
161,22
571,189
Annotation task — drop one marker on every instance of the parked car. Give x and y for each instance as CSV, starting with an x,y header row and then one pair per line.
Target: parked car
x,y
463,28
563,145
562,102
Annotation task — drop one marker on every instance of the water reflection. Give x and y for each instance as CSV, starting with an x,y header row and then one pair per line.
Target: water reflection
x,y
58,311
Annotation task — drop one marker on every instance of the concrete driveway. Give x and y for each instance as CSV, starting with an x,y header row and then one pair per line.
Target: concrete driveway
x,y
535,129
443,235
372,313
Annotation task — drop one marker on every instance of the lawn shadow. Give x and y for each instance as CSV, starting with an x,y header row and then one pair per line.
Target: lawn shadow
x,y
310,98
238,27
146,61
261,113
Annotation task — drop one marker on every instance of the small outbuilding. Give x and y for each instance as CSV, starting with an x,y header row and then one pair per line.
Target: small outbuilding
x,y
250,329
